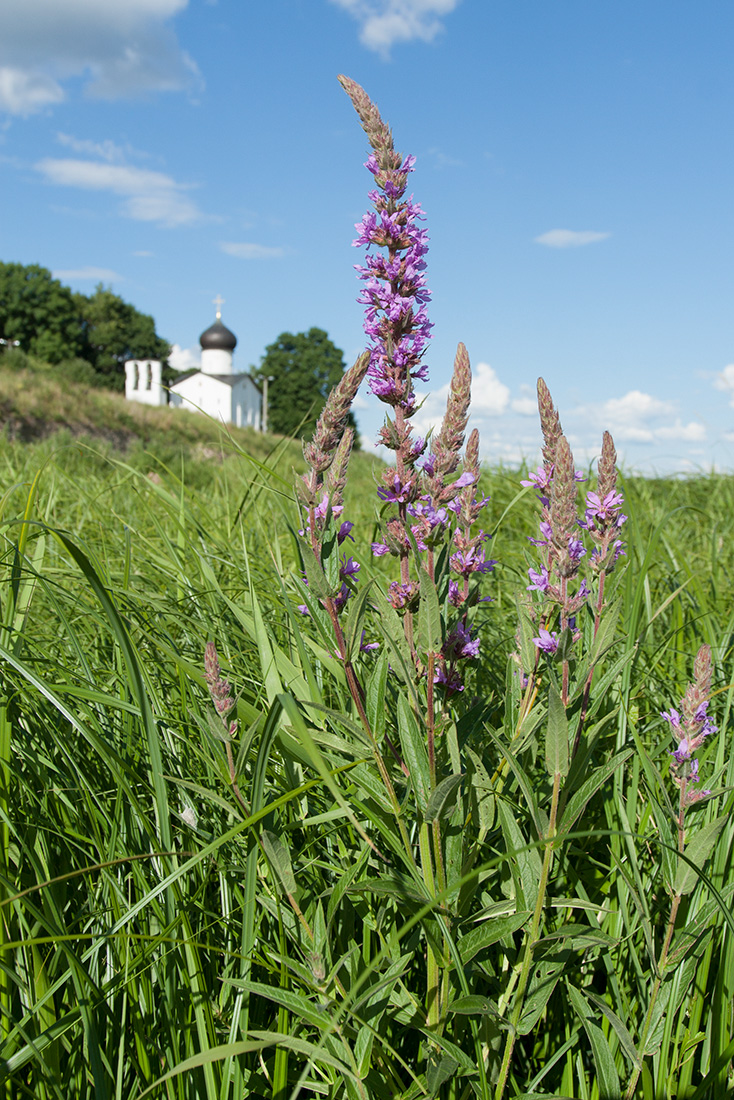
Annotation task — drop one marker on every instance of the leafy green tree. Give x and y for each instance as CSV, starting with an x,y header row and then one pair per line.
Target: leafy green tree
x,y
303,369
115,331
40,312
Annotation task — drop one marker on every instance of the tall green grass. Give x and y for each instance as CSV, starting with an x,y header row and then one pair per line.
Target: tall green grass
x,y
158,939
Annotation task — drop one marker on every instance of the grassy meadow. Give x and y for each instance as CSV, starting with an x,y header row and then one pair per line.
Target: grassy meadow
x,y
187,914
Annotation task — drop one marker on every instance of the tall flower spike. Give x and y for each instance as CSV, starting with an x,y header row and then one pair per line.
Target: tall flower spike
x,y
607,469
447,444
378,132
395,291
319,452
563,509
550,424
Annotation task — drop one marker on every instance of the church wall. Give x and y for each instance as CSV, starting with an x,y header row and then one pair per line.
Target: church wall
x,y
143,382
216,361
206,395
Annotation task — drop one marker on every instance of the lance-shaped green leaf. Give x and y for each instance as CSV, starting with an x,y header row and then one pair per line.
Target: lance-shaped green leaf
x,y
606,1071
492,930
443,798
429,632
279,859
392,630
375,696
354,620
315,575
577,803
415,754
556,737
695,854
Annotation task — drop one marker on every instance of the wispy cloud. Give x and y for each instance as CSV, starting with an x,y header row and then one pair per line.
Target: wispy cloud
x,y
246,250
570,238
148,196
120,49
383,23
82,274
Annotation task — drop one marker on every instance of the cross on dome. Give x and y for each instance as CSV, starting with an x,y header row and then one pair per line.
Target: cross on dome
x,y
219,302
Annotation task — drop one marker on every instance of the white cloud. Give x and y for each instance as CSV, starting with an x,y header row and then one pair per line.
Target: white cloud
x,y
570,238
120,49
724,380
245,250
692,432
524,406
631,419
184,358
384,22
97,274
25,93
143,252
489,396
148,196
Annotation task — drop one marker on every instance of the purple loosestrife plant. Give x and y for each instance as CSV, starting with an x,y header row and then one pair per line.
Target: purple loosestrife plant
x,y
424,509
690,727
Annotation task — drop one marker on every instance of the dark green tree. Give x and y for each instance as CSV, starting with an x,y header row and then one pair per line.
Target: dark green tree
x,y
303,369
115,331
40,312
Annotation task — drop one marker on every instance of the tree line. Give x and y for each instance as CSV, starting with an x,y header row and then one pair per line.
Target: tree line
x,y
59,326
89,338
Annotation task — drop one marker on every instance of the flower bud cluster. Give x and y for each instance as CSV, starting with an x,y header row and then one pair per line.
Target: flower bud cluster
x,y
560,529
690,729
219,689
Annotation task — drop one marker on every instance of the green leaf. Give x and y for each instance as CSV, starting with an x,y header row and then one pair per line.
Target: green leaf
x,y
391,886
606,1070
472,1005
315,575
392,629
440,1068
279,859
490,932
527,630
415,753
442,798
525,862
577,804
375,696
556,740
543,982
605,634
429,631
696,852
354,620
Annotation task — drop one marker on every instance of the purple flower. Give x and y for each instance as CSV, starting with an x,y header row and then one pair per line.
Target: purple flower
x,y
546,641
349,567
471,561
541,581
345,532
399,493
673,717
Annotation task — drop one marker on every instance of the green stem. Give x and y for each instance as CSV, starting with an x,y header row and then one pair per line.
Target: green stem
x,y
433,970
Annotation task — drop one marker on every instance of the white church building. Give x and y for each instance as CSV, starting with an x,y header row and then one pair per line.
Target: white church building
x,y
215,389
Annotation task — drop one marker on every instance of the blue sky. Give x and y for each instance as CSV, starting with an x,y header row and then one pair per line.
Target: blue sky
x,y
574,161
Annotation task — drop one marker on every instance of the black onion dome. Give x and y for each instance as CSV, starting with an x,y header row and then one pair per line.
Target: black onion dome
x,y
218,336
